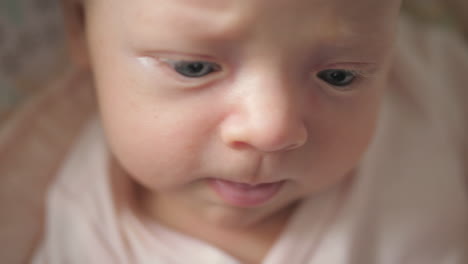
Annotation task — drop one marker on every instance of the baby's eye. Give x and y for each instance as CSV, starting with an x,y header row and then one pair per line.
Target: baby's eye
x,y
194,69
337,77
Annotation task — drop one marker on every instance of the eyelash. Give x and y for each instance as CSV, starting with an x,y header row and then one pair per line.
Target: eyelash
x,y
174,64
355,76
177,66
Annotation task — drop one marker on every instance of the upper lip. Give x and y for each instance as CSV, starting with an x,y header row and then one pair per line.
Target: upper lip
x,y
251,184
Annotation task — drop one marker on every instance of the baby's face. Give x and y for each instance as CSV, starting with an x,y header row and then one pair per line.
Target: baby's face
x,y
197,95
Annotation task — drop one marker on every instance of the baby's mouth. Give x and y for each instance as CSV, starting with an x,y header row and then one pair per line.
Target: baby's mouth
x,y
245,195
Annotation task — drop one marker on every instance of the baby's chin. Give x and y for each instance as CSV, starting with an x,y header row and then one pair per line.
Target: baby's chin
x,y
225,217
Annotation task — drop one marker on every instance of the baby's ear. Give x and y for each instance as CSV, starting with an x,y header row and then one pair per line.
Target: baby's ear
x,y
75,31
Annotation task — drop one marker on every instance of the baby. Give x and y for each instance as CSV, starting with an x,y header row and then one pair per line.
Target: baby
x,y
280,131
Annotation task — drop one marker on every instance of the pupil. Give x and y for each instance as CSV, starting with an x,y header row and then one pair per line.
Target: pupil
x,y
195,67
338,76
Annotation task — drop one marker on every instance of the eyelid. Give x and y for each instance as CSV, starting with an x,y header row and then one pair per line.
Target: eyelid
x,y
174,63
167,64
202,80
359,76
360,69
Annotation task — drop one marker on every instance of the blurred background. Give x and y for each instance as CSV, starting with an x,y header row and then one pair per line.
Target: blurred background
x,y
32,49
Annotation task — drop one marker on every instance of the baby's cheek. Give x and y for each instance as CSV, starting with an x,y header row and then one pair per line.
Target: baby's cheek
x,y
159,155
344,140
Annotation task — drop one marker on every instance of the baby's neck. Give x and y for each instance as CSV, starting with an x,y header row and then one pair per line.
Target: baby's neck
x,y
249,244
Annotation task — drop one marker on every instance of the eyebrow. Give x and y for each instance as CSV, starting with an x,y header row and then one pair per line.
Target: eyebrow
x,y
211,4
196,20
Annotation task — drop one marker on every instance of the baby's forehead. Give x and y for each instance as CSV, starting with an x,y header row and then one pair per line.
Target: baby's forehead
x,y
355,9
341,4
212,13
335,21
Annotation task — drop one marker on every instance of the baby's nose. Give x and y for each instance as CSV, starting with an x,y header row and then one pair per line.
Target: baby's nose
x,y
267,118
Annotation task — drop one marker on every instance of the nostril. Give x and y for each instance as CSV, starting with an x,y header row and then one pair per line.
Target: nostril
x,y
239,145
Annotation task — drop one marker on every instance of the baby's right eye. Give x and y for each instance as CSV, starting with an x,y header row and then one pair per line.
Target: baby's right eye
x,y
337,77
194,69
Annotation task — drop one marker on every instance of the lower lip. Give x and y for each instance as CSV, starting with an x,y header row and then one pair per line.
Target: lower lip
x,y
244,195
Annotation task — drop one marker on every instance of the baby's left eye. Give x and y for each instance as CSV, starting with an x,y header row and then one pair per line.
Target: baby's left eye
x,y
337,77
194,69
